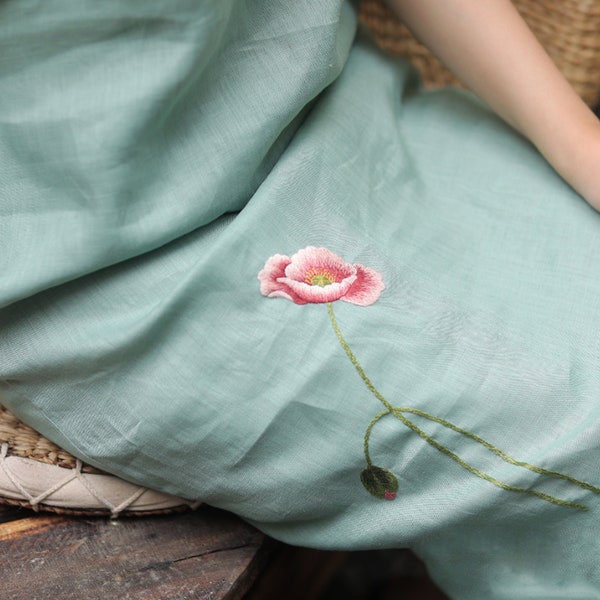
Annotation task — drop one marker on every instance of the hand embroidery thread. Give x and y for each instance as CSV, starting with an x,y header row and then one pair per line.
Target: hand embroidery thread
x,y
318,276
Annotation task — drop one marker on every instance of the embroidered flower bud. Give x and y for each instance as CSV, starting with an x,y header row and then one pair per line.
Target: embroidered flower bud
x,y
380,482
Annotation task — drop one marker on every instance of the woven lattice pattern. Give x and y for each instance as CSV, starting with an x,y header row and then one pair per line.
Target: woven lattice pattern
x,y
568,29
37,474
25,442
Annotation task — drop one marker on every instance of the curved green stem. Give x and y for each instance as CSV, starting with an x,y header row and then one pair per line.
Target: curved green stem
x,y
368,434
398,413
354,360
475,471
505,457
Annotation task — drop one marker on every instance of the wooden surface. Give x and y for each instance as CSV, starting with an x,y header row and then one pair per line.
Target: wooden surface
x,y
203,554
200,555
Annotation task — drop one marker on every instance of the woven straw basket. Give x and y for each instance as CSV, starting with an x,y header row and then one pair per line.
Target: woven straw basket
x,y
37,474
568,29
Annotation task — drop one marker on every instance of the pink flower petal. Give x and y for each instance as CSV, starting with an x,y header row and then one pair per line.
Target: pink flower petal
x,y
273,269
318,275
316,294
314,259
270,279
367,287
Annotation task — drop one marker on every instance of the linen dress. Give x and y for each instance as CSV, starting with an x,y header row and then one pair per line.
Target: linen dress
x,y
247,259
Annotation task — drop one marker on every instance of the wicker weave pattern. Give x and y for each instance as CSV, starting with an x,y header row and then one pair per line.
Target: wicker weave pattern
x,y
30,477
25,442
568,29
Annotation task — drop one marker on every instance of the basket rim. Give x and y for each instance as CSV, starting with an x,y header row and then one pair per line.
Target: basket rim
x,y
37,474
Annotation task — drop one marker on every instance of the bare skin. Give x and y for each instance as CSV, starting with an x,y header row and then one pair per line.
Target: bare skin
x,y
487,45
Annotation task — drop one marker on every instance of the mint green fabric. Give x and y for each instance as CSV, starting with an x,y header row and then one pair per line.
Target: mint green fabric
x,y
154,156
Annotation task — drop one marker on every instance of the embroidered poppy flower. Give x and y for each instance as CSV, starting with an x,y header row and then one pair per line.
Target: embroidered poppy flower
x,y
317,276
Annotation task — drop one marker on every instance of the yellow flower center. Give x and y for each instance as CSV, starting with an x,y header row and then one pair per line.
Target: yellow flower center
x,y
320,277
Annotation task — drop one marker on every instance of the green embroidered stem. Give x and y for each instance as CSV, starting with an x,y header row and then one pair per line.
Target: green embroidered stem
x,y
475,471
354,360
397,412
368,435
507,458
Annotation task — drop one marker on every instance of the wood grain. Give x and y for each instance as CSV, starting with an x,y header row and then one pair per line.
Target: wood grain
x,y
206,554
